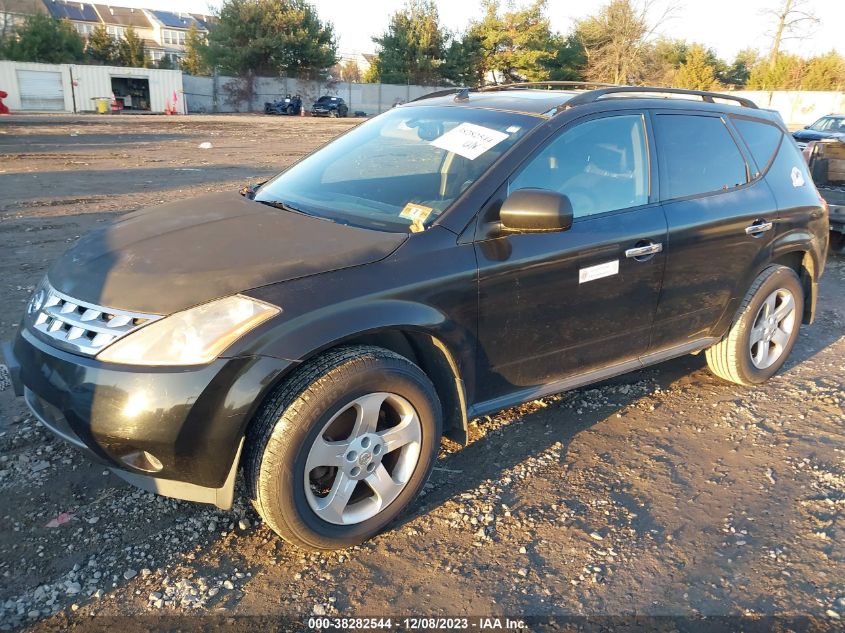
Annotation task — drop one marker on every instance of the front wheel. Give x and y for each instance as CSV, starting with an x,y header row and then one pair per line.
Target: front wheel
x,y
764,332
343,447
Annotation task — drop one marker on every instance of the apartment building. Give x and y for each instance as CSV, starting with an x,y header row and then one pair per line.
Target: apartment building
x,y
164,32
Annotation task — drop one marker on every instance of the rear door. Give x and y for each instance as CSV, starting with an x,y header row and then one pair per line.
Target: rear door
x,y
554,305
721,217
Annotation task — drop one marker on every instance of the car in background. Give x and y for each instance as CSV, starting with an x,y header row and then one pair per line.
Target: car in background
x,y
329,105
829,126
291,105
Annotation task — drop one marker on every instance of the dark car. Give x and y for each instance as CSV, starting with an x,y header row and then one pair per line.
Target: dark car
x,y
330,106
454,256
290,105
830,126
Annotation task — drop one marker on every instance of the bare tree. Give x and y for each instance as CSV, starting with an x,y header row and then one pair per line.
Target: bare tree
x,y
615,40
794,19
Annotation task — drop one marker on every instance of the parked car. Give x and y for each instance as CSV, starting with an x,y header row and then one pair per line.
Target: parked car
x,y
454,256
291,105
827,166
830,126
328,105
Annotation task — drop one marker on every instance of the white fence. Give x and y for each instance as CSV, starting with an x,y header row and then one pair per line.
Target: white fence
x,y
219,94
797,107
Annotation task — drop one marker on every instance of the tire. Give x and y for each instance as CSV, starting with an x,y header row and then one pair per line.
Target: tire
x,y
735,358
343,111
321,404
290,110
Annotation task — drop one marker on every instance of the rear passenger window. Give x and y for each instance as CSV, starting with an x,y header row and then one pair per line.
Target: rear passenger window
x,y
601,165
762,139
697,154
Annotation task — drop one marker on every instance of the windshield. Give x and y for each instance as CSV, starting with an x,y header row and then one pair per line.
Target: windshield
x,y
829,124
400,170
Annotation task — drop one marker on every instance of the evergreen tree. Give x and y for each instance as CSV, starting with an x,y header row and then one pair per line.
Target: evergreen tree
x,y
413,47
193,62
44,39
270,37
698,72
101,47
130,49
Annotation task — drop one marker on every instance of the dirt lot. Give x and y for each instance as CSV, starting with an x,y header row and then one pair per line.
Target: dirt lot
x,y
662,493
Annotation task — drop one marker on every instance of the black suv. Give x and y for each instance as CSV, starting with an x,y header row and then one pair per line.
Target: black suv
x,y
329,106
457,255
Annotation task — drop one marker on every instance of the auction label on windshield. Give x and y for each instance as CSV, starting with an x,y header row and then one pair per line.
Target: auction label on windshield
x,y
469,140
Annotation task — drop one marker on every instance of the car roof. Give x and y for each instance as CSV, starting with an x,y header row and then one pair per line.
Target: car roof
x,y
547,102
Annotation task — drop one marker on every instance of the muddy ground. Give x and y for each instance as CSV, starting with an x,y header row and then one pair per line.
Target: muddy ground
x,y
665,492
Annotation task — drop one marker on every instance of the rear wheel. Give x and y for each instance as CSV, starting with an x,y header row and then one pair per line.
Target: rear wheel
x,y
765,331
343,447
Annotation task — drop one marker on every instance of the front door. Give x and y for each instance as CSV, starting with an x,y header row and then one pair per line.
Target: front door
x,y
554,305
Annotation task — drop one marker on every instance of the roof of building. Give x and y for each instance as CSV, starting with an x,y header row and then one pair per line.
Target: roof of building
x,y
78,11
21,7
123,16
177,20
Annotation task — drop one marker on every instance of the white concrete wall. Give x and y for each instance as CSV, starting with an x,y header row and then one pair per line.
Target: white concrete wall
x,y
369,98
90,82
797,107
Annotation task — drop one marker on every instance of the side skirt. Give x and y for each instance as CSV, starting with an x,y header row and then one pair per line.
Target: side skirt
x,y
579,380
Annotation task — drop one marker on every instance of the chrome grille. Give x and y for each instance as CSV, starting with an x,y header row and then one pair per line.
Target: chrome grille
x,y
80,326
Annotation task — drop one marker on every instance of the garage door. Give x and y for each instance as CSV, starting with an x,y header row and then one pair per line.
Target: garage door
x,y
41,90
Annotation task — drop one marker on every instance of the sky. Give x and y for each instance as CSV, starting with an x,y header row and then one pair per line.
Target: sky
x,y
724,25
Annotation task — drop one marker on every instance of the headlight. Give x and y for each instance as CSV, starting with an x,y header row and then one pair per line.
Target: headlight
x,y
193,337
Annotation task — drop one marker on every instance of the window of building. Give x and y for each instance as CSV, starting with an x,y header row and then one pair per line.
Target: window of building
x,y
169,36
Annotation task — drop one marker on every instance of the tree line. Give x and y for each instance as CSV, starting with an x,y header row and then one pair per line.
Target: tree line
x,y
619,44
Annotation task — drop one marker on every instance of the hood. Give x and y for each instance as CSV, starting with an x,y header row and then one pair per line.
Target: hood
x,y
177,255
814,135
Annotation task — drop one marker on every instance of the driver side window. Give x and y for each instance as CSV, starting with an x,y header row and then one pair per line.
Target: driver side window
x,y
601,165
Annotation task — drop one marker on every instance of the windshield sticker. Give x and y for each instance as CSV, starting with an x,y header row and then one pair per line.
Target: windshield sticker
x,y
417,214
513,129
797,178
469,140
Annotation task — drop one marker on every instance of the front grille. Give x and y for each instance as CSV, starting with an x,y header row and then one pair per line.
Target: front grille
x,y
80,326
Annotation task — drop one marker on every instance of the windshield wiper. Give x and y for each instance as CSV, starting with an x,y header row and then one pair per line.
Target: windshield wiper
x,y
284,206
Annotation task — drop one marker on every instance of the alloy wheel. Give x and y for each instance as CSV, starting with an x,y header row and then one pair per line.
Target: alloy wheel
x,y
772,328
363,458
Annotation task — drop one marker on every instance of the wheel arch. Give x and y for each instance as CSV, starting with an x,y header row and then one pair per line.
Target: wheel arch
x,y
413,334
802,261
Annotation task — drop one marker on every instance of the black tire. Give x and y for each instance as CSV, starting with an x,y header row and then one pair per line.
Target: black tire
x,y
731,358
290,110
288,424
343,111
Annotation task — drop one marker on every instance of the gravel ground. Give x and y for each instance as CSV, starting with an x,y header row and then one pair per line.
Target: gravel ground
x,y
664,492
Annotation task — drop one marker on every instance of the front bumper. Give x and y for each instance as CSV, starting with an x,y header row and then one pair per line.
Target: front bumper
x,y
174,431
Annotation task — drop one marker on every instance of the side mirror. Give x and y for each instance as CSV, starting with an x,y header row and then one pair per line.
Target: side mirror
x,y
536,210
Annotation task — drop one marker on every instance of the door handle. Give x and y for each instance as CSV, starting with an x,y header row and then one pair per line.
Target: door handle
x,y
644,251
758,227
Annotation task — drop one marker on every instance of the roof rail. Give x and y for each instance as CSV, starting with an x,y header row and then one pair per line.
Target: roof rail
x,y
442,93
544,84
709,97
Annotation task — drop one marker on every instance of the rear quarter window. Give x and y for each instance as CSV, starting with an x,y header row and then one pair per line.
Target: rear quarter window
x,y
696,155
762,139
